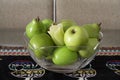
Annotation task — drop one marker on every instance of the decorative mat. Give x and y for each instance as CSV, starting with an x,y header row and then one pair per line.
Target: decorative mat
x,y
22,51
13,51
16,64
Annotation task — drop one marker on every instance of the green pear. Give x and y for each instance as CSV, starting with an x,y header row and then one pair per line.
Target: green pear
x,y
40,44
92,42
34,27
75,37
92,29
67,23
47,23
90,48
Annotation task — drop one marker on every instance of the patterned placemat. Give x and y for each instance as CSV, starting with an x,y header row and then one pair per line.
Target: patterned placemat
x,y
16,64
22,51
13,51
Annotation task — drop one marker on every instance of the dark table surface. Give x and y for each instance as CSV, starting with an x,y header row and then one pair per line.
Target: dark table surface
x,y
16,64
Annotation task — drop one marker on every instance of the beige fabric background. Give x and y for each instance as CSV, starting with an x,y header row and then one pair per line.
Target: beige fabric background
x,y
90,11
15,14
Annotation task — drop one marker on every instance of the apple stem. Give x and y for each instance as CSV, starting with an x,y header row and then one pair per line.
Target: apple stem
x,y
73,31
54,23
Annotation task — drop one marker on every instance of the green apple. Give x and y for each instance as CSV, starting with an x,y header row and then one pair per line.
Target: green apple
x,y
67,23
40,44
34,27
90,48
75,37
47,23
92,29
63,56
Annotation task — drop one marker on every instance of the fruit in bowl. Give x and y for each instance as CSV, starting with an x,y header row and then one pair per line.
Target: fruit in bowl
x,y
38,41
64,56
61,49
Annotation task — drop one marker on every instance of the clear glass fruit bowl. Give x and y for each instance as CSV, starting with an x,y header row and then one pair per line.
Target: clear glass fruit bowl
x,y
47,61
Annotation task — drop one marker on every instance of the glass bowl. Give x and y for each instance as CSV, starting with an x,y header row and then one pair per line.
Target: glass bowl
x,y
48,64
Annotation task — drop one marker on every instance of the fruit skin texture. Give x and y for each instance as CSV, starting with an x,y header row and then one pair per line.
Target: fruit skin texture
x,y
67,23
41,40
34,27
47,23
63,56
92,29
89,50
57,34
75,37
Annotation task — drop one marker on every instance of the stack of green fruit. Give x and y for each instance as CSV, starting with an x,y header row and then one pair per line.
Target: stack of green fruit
x,y
62,43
